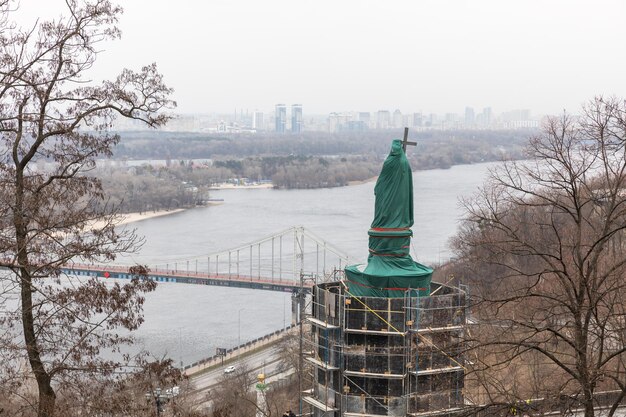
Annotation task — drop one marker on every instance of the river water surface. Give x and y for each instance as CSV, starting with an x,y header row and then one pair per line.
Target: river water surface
x,y
188,322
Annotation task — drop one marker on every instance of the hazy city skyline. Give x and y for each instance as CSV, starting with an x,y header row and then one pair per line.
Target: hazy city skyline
x,y
294,119
429,56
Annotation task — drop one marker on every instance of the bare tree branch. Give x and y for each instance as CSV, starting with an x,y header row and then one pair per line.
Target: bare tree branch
x,y
545,239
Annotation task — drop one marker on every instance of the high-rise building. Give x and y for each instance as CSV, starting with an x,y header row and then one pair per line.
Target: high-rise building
x,y
487,116
338,121
518,119
281,118
432,120
365,117
470,118
383,119
524,114
397,118
296,118
257,120
418,121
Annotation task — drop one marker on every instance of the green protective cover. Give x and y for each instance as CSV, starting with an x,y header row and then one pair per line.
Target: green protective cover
x,y
390,270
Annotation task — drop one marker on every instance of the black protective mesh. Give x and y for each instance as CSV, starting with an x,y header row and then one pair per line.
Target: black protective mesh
x,y
388,355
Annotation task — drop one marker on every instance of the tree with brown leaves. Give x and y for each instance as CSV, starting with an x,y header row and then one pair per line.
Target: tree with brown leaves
x,y
545,241
54,124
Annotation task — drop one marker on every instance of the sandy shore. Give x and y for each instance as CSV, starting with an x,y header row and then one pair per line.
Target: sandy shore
x,y
136,217
362,181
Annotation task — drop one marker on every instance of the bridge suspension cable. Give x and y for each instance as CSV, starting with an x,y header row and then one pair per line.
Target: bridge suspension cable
x,y
283,255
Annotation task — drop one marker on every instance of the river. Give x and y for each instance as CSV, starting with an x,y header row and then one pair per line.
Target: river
x,y
188,322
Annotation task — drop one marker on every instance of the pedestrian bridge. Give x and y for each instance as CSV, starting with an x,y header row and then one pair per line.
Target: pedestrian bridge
x,y
285,261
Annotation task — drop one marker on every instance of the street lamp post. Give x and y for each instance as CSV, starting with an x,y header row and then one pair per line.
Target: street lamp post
x,y
239,326
158,399
284,312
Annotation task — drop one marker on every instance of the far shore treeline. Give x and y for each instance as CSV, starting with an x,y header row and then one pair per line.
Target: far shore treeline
x,y
309,160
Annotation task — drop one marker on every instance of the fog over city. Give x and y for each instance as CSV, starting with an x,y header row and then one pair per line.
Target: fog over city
x,y
349,55
312,208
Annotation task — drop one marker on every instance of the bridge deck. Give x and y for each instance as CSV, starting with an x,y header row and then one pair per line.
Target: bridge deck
x,y
190,277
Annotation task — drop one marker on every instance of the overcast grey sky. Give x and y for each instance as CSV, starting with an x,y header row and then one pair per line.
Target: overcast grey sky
x,y
340,55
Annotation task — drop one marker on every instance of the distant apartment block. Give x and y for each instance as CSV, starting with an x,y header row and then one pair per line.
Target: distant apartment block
x,y
348,122
258,122
418,120
296,118
487,118
280,118
518,119
337,121
383,119
470,118
397,119
365,118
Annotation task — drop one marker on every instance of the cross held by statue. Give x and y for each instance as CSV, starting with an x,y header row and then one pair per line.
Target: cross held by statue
x,y
405,141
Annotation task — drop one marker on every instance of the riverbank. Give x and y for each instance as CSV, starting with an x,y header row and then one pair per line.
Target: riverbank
x,y
137,217
359,182
127,218
229,186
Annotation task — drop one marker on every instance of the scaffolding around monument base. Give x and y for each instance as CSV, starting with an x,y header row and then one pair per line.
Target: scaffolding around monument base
x,y
372,356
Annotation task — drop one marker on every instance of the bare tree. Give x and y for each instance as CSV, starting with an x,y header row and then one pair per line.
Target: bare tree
x,y
234,395
130,393
54,124
237,395
544,238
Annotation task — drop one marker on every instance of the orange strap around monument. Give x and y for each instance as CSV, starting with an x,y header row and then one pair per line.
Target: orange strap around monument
x,y
397,255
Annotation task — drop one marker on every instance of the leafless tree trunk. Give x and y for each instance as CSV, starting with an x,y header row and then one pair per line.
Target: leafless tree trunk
x,y
544,241
53,126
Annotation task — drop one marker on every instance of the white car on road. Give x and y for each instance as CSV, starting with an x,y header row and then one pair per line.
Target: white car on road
x,y
229,370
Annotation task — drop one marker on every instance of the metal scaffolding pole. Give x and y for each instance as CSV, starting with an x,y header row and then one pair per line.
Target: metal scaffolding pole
x,y
280,257
317,258
324,268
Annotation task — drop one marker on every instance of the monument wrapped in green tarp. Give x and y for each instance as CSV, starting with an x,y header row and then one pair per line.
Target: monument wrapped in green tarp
x,y
390,270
